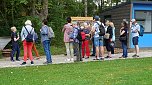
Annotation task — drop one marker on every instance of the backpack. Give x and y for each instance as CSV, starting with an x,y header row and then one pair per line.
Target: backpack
x,y
141,32
71,35
29,37
81,35
50,33
101,29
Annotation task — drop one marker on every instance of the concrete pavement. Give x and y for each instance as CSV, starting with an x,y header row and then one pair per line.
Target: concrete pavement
x,y
57,59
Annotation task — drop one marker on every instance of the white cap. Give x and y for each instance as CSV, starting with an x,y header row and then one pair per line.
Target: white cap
x,y
133,20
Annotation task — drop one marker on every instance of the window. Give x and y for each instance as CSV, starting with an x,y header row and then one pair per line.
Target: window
x,y
144,18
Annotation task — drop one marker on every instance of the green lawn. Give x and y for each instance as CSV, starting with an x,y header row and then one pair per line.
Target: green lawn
x,y
115,72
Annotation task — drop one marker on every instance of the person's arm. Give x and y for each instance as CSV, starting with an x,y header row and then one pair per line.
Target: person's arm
x,y
110,32
122,32
63,29
22,32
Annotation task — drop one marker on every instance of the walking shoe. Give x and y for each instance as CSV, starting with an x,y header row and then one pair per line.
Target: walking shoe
x,y
46,63
23,63
72,59
134,55
12,60
32,62
86,57
17,60
92,55
137,56
102,58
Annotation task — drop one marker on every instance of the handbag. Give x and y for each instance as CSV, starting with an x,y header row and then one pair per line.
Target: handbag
x,y
107,36
123,38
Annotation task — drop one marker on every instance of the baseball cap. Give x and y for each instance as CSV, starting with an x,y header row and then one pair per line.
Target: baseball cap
x,y
96,17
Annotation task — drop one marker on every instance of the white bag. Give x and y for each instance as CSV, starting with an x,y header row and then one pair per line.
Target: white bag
x,y
50,33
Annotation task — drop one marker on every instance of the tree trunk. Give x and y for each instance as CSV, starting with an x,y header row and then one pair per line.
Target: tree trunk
x,y
86,8
43,13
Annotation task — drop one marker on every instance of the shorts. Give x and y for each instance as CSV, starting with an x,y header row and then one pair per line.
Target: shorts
x,y
98,41
135,40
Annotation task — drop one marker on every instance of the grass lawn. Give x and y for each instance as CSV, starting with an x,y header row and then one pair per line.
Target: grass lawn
x,y
115,72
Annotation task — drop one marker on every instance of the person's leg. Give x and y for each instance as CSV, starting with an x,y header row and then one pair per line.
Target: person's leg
x,y
109,49
35,50
76,47
49,58
18,52
46,50
137,49
12,52
29,49
87,48
83,49
94,49
80,51
71,50
67,50
125,50
25,50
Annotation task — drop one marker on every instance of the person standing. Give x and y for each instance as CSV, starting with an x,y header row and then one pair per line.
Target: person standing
x,y
113,38
15,46
108,38
98,40
85,43
67,29
34,46
27,45
135,28
76,42
46,41
123,39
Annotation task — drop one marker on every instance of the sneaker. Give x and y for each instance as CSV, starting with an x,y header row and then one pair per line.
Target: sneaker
x,y
92,55
17,60
72,59
137,56
32,62
12,60
102,58
86,57
46,63
23,63
134,55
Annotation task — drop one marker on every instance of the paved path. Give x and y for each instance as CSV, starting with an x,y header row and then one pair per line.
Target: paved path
x,y
57,59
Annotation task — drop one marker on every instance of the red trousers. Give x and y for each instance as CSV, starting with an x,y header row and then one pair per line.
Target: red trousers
x,y
27,50
85,48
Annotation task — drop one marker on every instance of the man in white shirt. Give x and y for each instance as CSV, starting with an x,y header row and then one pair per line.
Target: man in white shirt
x,y
135,28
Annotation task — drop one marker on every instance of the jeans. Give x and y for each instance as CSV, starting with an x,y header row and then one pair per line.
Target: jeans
x,y
124,47
15,48
94,48
46,46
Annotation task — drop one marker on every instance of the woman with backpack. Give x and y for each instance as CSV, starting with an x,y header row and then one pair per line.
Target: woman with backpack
x,y
123,39
46,41
67,29
27,39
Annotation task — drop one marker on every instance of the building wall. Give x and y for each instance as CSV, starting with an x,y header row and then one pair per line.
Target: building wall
x,y
117,15
144,41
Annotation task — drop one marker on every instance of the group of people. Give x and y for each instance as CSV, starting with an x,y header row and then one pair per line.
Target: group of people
x,y
76,38
29,37
81,47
